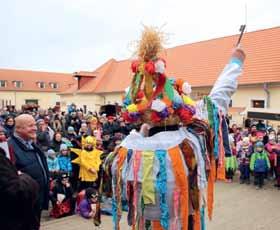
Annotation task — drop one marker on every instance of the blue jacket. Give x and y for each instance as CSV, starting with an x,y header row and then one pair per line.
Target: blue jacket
x,y
53,164
64,163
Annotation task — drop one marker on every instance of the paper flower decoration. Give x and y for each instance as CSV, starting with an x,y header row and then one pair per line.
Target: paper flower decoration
x,y
158,105
126,90
188,101
159,66
134,66
132,108
127,101
186,88
150,67
155,117
185,114
164,113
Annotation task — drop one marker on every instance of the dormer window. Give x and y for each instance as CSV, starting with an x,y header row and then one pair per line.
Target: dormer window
x,y
54,85
18,84
3,83
41,84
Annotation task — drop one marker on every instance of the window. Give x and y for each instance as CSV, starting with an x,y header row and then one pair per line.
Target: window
x,y
31,101
18,84
257,103
41,85
53,85
3,83
230,103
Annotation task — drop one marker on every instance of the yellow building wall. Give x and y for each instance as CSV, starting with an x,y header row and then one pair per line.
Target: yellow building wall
x,y
45,99
91,101
242,98
113,98
6,98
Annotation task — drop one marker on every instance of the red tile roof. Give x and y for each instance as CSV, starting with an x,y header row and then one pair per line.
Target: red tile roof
x,y
30,79
200,63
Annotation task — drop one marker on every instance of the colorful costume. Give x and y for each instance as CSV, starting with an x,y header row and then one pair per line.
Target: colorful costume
x,y
88,160
167,178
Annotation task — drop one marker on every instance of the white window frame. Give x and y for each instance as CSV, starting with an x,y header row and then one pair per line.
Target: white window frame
x,y
39,84
52,84
5,83
18,82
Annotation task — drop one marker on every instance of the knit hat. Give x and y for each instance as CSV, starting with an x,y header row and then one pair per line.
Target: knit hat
x,y
70,129
50,152
245,141
63,147
259,144
39,121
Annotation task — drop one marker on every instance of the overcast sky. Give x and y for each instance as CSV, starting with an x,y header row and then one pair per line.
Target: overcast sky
x,y
73,35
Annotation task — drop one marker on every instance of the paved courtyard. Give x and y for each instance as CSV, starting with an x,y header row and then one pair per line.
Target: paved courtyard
x,y
237,207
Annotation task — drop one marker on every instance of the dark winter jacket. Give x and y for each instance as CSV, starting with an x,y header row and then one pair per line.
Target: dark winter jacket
x,y
34,163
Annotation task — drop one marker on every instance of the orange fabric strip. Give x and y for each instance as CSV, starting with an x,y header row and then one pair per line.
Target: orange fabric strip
x,y
197,224
121,158
181,180
210,189
196,216
156,225
221,172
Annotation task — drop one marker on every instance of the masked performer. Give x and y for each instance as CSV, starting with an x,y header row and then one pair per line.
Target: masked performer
x,y
168,176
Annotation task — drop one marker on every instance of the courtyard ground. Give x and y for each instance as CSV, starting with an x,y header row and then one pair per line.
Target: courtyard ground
x,y
237,207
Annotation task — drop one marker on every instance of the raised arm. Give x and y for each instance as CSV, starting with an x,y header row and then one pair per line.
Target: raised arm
x,y
226,83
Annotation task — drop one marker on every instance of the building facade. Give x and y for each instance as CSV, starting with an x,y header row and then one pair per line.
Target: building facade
x,y
18,87
199,64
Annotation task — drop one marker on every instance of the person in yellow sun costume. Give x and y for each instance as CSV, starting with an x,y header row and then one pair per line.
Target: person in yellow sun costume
x,y
89,161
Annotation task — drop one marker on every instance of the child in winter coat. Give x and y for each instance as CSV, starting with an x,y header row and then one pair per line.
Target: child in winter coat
x,y
259,164
89,207
231,162
61,197
64,160
52,163
89,161
4,145
277,151
243,156
271,148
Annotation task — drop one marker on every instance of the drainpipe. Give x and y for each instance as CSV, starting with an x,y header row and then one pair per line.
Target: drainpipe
x,y
266,90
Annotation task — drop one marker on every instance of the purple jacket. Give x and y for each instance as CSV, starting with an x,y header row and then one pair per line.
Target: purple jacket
x,y
84,208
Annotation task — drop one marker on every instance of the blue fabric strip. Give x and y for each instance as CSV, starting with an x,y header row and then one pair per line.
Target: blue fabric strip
x,y
202,219
161,186
115,212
